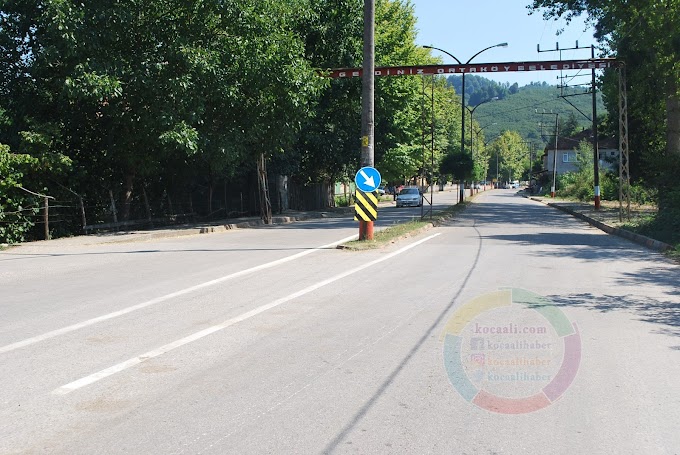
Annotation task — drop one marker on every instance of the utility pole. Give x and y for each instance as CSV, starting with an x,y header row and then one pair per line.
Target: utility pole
x,y
367,103
553,188
530,148
596,152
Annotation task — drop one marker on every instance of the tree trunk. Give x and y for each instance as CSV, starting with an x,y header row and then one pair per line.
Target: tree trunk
x,y
210,190
146,204
114,212
170,207
669,192
127,195
265,201
673,119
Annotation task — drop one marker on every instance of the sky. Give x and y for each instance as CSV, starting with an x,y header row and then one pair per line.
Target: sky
x,y
463,28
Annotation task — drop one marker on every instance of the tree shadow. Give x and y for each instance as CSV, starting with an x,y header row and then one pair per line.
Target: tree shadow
x,y
665,314
581,246
668,278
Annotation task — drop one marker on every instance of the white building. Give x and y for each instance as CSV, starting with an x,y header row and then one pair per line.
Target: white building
x,y
567,155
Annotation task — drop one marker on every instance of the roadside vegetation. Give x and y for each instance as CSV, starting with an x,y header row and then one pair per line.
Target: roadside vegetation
x,y
180,112
646,218
183,111
639,34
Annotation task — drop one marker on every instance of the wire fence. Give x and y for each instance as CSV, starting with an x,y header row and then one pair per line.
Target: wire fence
x,y
66,213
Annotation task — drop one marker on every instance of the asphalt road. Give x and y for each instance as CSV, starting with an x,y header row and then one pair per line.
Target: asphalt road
x,y
512,329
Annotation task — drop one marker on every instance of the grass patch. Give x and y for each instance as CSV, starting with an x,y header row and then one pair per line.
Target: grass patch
x,y
387,236
659,227
403,230
674,254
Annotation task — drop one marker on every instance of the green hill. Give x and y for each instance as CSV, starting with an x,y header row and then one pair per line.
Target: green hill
x,y
520,108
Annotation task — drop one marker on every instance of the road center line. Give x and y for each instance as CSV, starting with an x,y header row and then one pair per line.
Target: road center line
x,y
70,387
115,314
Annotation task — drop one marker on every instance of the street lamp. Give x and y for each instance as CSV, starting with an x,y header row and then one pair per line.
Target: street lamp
x,y
487,143
472,148
462,120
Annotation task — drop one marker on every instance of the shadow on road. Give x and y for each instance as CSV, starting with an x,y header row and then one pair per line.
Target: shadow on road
x,y
354,421
663,313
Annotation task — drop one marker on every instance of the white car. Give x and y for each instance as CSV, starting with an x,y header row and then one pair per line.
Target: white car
x,y
409,197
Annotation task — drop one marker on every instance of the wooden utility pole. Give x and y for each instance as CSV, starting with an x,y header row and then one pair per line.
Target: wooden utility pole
x,y
367,103
46,218
596,148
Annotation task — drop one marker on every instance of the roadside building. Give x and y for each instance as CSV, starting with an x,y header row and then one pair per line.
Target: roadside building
x,y
567,153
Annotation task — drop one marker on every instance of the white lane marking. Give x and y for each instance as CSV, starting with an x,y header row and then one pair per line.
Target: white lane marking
x,y
70,387
115,314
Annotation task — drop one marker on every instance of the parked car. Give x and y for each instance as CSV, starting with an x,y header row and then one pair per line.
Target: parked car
x,y
381,190
410,196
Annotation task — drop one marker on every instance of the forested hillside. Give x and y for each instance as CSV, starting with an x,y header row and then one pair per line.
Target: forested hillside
x,y
520,108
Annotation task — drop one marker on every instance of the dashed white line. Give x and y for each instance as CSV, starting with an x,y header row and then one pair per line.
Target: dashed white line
x,y
115,314
70,387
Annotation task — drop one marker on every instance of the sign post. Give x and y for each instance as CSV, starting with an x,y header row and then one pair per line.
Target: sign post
x,y
367,181
367,104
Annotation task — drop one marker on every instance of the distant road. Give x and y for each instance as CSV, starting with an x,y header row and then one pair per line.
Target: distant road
x,y
513,328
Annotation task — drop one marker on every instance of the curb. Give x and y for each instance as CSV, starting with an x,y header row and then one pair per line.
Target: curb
x,y
254,223
179,231
637,238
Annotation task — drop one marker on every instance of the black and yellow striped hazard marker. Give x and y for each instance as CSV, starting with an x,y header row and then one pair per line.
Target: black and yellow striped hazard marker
x,y
366,206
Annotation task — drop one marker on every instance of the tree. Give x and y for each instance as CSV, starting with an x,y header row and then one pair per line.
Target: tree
x,y
568,128
644,34
16,205
457,164
512,153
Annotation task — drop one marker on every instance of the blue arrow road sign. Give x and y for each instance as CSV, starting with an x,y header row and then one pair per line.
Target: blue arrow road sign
x,y
367,179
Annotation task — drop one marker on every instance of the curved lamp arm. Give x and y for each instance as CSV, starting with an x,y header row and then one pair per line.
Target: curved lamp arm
x,y
485,49
483,102
450,55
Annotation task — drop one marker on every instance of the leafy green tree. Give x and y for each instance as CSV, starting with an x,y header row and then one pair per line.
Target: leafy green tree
x,y
327,149
513,157
457,164
16,205
481,154
403,108
569,127
644,34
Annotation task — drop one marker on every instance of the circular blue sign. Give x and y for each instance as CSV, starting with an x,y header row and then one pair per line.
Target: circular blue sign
x,y
367,179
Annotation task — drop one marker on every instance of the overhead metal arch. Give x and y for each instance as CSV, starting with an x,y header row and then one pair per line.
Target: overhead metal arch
x,y
524,67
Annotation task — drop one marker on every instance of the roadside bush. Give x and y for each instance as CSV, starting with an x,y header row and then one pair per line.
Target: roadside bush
x,y
343,201
577,185
609,187
16,206
642,194
665,224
